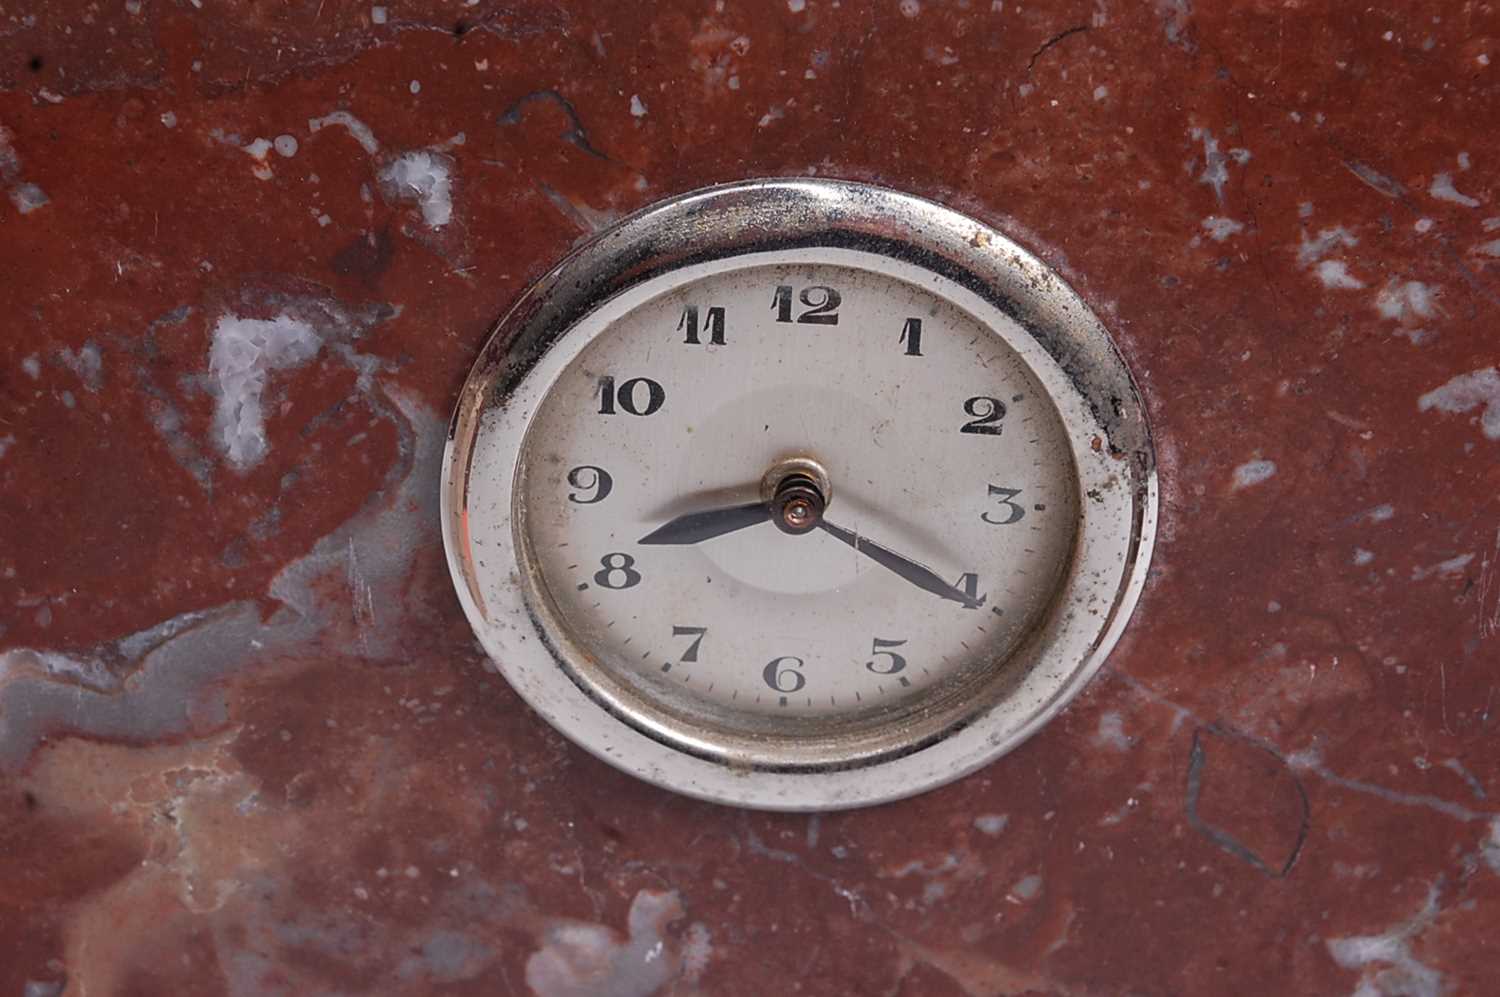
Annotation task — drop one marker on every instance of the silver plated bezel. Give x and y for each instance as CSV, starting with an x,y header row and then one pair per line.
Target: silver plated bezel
x,y
749,224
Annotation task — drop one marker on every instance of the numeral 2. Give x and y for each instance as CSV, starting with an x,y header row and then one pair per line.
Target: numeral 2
x,y
822,304
987,413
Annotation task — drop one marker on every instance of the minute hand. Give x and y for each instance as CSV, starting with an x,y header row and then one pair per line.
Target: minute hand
x,y
695,527
918,574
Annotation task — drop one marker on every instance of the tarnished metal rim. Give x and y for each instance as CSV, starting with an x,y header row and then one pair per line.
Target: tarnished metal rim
x,y
720,227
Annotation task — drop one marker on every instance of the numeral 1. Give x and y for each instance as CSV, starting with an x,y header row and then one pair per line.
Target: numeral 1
x,y
911,335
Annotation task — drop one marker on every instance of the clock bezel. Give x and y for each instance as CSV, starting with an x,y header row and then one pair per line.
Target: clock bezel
x,y
749,224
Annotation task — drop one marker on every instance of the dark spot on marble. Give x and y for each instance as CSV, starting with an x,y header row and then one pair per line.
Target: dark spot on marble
x,y
365,257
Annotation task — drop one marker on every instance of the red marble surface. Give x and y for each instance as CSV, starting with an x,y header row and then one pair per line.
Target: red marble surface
x,y
248,744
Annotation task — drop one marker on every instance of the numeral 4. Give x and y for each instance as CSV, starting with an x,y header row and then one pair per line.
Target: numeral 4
x,y
968,584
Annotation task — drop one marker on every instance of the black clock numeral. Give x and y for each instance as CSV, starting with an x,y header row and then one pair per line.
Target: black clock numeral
x,y
987,413
911,335
713,324
628,397
968,584
891,667
691,654
589,478
822,304
1013,511
617,564
785,679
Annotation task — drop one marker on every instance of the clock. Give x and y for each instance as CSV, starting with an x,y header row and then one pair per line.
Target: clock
x,y
799,494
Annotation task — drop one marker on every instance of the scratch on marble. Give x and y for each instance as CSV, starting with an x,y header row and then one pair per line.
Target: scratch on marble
x,y
1489,591
1197,762
1309,760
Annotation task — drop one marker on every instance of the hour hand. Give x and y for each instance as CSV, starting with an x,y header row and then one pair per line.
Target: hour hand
x,y
695,527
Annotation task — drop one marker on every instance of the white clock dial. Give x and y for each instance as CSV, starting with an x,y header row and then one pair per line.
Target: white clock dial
x,y
799,495
938,443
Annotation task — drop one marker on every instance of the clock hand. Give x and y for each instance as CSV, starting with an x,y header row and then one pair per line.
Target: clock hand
x,y
695,527
918,574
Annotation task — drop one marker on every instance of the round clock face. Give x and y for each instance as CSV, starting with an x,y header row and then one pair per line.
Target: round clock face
x,y
805,526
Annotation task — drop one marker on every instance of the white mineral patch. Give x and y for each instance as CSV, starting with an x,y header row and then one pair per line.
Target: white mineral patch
x,y
1452,566
1442,188
244,353
1476,389
285,146
27,197
1386,960
1253,473
1325,242
423,177
1408,302
1335,274
1220,228
357,128
1111,732
637,108
578,958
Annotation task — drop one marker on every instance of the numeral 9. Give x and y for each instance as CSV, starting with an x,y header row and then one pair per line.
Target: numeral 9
x,y
588,477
